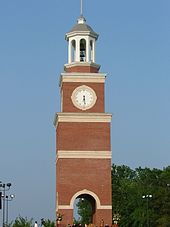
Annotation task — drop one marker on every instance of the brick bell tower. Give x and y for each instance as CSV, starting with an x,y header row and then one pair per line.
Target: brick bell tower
x,y
83,151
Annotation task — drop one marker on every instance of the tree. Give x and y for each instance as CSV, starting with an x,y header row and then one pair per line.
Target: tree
x,y
85,211
48,223
22,222
128,187
123,193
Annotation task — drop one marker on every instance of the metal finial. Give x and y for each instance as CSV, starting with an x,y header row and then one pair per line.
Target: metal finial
x,y
81,19
81,7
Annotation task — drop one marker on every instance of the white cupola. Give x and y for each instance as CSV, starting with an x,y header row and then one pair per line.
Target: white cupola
x,y
81,43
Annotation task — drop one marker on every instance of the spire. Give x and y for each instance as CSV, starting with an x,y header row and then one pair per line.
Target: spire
x,y
81,8
81,19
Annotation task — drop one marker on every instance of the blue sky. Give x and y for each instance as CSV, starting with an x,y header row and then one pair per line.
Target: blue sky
x,y
133,48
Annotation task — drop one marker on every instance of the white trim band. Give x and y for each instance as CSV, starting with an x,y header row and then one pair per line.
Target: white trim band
x,y
80,64
82,77
82,117
84,154
68,207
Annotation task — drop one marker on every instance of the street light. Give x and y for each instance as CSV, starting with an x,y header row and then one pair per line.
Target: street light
x,y
147,197
0,198
5,187
8,198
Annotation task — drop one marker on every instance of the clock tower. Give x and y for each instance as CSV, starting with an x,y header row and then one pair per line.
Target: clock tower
x,y
83,151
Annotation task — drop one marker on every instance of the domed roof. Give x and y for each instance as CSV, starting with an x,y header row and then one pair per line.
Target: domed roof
x,y
81,26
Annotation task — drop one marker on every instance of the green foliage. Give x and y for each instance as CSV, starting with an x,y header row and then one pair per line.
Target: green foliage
x,y
22,222
48,223
85,211
128,187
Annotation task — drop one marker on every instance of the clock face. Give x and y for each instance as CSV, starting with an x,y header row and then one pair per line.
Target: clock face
x,y
84,97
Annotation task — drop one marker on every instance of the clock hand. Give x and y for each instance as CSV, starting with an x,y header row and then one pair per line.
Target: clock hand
x,y
84,99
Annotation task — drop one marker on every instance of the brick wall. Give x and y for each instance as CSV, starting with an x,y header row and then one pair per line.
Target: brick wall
x,y
68,88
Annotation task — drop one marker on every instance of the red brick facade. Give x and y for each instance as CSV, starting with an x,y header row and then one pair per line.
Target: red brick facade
x,y
87,175
86,69
86,136
94,175
68,88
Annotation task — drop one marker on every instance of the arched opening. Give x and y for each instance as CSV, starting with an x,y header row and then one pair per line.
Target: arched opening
x,y
84,209
73,50
82,50
91,51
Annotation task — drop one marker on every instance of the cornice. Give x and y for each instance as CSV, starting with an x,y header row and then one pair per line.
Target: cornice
x,y
87,64
80,33
82,78
84,154
82,117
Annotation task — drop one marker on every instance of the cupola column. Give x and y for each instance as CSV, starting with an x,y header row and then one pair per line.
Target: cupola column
x,y
77,57
93,51
87,49
70,52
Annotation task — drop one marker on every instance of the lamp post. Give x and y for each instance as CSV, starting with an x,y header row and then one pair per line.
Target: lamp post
x,y
0,196
147,197
5,187
8,198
